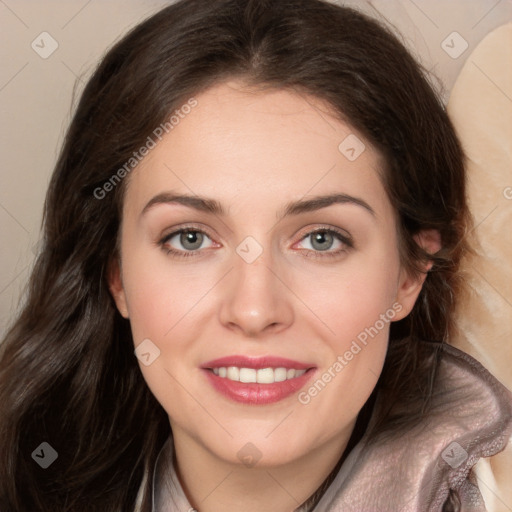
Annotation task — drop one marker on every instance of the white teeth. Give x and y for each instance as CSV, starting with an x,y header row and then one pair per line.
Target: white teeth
x,y
265,376
279,374
233,373
261,376
247,375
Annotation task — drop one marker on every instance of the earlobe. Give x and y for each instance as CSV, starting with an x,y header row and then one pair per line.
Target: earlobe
x,y
115,285
409,287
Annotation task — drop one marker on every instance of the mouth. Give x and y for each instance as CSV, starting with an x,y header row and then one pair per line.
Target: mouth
x,y
257,381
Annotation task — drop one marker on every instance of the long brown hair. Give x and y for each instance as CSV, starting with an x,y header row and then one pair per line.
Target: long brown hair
x,y
68,375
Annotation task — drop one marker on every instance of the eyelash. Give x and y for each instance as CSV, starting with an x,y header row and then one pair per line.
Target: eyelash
x,y
181,254
343,238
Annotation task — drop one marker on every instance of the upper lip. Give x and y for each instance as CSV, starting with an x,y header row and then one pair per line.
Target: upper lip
x,y
257,363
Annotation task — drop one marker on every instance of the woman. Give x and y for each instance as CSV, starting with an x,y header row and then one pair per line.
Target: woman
x,y
291,357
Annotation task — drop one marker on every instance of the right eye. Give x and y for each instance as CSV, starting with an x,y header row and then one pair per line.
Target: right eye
x,y
190,240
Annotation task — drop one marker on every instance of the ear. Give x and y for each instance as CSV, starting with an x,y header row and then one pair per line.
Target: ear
x,y
409,286
115,285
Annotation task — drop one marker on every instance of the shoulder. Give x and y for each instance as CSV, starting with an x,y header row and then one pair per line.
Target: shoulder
x,y
429,463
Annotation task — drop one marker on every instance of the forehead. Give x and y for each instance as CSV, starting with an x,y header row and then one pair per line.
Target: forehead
x,y
264,147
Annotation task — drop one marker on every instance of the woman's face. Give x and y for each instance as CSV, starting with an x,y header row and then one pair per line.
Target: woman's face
x,y
290,262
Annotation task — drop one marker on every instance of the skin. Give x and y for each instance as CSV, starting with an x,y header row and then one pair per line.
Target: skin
x,y
254,152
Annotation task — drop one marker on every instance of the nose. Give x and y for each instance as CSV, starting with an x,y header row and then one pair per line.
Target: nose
x,y
255,298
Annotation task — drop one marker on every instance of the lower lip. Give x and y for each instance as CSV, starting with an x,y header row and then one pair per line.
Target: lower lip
x,y
257,394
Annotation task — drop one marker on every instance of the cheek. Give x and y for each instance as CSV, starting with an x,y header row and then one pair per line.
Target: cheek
x,y
163,303
161,293
364,307
358,306
352,296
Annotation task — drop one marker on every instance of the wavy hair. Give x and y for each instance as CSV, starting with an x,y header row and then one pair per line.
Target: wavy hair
x,y
68,374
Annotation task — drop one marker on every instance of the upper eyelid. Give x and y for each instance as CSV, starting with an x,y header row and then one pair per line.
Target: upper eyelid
x,y
191,227
339,231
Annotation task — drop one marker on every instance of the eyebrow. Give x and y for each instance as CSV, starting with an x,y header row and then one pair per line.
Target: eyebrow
x,y
212,206
318,202
202,204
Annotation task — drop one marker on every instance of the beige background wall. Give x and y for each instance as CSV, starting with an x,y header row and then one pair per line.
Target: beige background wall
x,y
36,93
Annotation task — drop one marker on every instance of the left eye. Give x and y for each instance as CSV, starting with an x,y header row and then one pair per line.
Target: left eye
x,y
324,239
189,239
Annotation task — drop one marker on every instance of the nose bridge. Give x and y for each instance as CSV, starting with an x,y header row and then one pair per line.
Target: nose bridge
x,y
255,300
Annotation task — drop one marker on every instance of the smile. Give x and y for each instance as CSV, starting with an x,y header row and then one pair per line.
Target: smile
x,y
257,380
261,376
